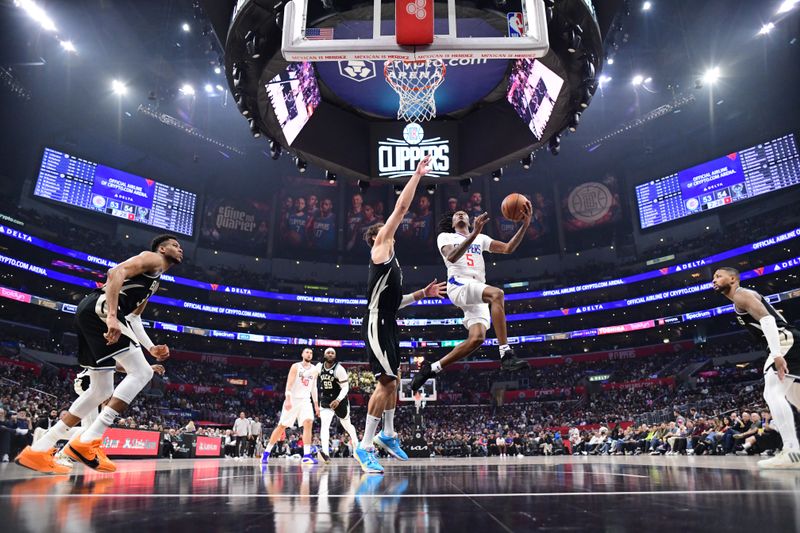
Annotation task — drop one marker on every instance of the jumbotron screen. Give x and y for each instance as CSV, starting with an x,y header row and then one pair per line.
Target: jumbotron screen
x,y
82,183
760,169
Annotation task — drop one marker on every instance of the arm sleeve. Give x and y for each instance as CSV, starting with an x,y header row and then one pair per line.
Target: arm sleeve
x,y
315,394
341,376
407,300
135,322
770,329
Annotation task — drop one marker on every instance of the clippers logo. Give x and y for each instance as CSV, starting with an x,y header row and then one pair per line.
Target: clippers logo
x,y
357,70
398,158
417,8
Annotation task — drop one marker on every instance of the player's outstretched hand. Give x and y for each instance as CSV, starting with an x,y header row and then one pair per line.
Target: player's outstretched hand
x,y
480,222
422,168
114,331
527,212
160,352
435,290
158,369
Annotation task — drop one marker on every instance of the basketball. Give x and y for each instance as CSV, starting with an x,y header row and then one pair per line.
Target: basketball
x,y
513,206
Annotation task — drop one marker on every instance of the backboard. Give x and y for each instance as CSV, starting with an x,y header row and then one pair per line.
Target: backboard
x,y
427,392
368,32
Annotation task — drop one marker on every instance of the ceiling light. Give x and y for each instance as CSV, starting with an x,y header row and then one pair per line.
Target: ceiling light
x,y
610,61
604,79
187,89
637,80
431,188
301,165
331,177
68,46
36,13
220,88
497,174
648,80
217,70
574,120
766,28
118,87
185,27
397,189
527,161
209,88
786,6
647,6
711,75
275,149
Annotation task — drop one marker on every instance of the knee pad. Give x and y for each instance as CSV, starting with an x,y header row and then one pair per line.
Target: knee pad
x,y
101,387
138,375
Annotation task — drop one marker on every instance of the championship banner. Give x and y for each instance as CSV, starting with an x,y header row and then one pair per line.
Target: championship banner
x,y
120,442
236,224
591,204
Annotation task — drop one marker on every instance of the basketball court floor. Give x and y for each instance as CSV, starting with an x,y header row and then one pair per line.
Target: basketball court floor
x,y
473,495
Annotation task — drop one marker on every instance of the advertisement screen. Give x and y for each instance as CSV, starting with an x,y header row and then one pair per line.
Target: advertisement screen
x,y
208,447
294,95
760,169
82,183
236,224
397,148
532,91
365,209
119,442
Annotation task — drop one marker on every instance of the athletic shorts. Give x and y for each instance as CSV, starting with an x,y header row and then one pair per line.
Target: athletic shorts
x,y
467,294
342,410
93,350
790,339
379,331
301,411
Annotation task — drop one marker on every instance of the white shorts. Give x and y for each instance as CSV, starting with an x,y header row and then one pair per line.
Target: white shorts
x,y
467,295
302,410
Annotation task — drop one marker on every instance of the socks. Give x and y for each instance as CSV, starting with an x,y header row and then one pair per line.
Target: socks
x,y
436,367
269,447
306,449
369,431
503,349
388,423
99,426
49,439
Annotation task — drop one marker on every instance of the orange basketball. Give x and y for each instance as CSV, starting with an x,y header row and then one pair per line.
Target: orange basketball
x,y
513,206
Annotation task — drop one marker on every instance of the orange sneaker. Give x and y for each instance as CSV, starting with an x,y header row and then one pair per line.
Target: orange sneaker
x,y
90,454
43,462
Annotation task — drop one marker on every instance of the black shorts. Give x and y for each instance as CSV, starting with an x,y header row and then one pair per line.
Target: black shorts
x,y
379,332
93,350
789,337
342,410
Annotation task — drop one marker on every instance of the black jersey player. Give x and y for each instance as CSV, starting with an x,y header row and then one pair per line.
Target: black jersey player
x,y
379,329
110,332
333,387
757,315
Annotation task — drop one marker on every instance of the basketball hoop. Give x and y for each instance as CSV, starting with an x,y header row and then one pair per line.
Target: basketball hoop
x,y
415,82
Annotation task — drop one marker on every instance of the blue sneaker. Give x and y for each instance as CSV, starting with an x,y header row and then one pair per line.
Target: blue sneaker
x,y
391,445
309,459
265,458
369,464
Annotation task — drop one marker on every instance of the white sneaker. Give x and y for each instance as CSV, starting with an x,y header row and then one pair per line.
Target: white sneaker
x,y
5,458
784,459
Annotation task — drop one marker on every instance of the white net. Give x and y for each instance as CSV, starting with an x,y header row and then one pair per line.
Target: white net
x,y
415,82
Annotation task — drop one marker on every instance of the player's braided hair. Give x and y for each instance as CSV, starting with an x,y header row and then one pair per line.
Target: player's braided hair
x,y
446,222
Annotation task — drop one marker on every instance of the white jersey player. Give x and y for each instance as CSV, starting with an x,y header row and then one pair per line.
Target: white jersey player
x,y
462,251
301,389
333,388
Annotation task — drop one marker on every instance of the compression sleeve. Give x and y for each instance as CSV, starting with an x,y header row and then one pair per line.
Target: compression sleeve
x,y
770,329
135,322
